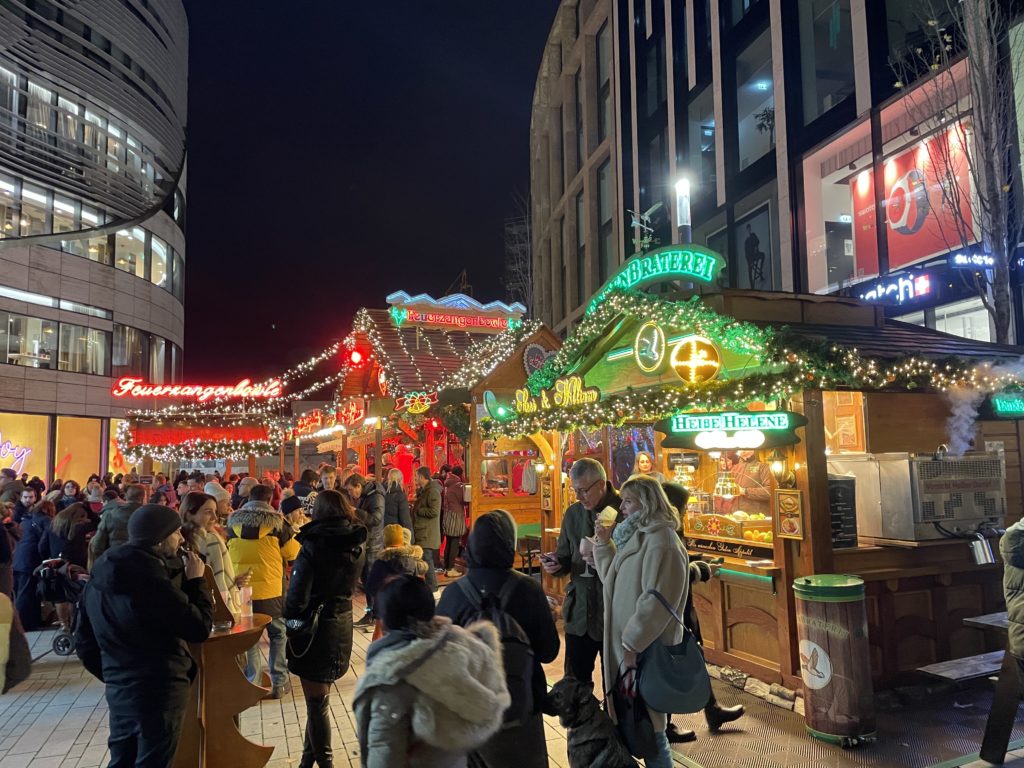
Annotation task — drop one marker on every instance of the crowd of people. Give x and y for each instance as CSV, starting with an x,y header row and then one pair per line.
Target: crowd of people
x,y
450,677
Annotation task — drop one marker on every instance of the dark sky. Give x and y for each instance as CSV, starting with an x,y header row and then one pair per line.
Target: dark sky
x,y
339,151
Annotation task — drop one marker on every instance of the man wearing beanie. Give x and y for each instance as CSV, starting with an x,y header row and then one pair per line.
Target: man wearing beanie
x,y
133,632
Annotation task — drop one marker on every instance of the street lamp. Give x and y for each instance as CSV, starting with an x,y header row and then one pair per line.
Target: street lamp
x,y
683,209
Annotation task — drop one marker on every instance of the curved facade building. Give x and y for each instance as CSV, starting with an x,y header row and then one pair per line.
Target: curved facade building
x,y
93,99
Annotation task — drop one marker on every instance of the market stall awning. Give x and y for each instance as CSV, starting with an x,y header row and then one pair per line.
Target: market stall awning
x,y
896,339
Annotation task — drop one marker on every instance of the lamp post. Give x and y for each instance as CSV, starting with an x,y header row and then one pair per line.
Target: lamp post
x,y
683,210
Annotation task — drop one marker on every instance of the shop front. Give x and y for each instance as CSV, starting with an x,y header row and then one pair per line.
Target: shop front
x,y
787,418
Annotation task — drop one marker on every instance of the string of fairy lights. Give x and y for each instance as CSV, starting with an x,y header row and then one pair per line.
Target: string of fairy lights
x,y
789,364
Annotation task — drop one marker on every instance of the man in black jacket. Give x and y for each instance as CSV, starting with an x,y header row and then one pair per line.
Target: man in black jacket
x,y
490,553
132,634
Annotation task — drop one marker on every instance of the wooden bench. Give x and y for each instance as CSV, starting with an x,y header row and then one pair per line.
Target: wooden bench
x,y
967,668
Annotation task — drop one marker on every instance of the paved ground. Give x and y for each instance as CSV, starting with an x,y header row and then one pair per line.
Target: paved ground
x,y
57,719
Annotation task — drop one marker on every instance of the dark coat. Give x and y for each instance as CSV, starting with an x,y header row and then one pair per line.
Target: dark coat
x,y
490,554
26,554
74,549
371,514
66,501
325,572
427,516
302,490
396,508
453,521
135,624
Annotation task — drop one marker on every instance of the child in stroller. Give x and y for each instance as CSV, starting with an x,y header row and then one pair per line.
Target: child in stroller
x,y
61,582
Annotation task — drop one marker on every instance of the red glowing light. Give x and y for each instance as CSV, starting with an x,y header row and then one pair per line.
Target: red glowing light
x,y
434,424
355,357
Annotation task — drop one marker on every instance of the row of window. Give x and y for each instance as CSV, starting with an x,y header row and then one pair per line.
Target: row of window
x,y
48,344
26,210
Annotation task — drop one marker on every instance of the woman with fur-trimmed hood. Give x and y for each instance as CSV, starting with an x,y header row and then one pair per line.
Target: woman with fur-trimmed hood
x,y
432,691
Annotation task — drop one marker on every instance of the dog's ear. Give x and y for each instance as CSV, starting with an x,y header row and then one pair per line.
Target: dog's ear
x,y
584,690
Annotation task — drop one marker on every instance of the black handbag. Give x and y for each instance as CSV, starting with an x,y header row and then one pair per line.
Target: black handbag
x,y
673,678
633,721
303,630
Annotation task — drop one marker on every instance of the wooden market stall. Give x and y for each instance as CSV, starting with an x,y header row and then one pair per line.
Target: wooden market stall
x,y
806,429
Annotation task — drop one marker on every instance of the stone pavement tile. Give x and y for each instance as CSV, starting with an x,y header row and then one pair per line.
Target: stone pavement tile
x,y
46,762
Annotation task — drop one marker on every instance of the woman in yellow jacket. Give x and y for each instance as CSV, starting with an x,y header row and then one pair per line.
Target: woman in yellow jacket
x,y
260,542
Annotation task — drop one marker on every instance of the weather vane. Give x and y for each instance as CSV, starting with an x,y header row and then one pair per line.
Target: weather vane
x,y
642,221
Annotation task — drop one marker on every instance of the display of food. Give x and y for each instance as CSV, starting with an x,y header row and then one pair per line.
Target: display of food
x,y
752,528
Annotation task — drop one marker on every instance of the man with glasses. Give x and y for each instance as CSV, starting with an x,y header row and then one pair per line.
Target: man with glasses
x,y
583,609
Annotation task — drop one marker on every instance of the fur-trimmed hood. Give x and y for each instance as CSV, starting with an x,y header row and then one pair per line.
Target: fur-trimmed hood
x,y
408,558
394,553
256,514
457,677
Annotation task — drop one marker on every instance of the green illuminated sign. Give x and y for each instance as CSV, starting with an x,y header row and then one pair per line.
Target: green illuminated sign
x,y
730,422
690,262
1008,406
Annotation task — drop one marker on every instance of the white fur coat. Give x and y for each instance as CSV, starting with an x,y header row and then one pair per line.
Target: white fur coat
x,y
429,701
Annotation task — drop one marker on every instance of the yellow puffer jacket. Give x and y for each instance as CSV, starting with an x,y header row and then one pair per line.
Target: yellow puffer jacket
x,y
260,540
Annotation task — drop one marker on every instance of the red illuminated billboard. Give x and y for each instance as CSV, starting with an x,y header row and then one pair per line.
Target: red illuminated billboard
x,y
921,222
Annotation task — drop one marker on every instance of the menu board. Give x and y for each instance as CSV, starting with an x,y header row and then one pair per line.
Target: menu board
x,y
842,503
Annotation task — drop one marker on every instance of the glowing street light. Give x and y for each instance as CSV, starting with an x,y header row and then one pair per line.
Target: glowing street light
x,y
683,210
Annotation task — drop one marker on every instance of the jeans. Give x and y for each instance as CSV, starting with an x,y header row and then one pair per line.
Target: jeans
x,y
580,656
145,739
428,557
664,758
278,662
452,545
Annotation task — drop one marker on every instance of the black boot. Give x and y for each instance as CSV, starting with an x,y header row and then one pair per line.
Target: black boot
x,y
679,736
717,715
318,732
308,759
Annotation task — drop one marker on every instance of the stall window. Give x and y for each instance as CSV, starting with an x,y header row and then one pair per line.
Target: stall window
x,y
582,443
29,437
626,443
84,350
826,50
839,207
701,145
28,341
844,422
508,468
131,352
755,101
130,247
78,448
159,264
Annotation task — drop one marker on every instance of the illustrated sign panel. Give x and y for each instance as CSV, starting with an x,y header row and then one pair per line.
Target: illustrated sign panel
x,y
565,393
731,430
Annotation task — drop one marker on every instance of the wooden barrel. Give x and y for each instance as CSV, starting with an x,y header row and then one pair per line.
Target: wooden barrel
x,y
835,664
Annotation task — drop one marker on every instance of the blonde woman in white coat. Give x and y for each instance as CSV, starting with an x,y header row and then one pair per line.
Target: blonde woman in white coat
x,y
643,552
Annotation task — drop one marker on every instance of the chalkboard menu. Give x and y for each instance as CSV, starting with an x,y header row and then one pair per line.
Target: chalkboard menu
x,y
842,503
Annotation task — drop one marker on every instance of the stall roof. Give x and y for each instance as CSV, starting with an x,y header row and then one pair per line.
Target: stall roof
x,y
419,358
896,339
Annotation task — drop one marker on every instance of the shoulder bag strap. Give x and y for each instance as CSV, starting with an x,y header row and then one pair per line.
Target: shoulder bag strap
x,y
470,592
505,594
664,602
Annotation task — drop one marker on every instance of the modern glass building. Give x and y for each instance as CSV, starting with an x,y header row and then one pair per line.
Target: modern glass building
x,y
92,221
808,165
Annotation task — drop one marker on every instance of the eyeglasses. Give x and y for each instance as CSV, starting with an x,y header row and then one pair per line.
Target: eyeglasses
x,y
586,490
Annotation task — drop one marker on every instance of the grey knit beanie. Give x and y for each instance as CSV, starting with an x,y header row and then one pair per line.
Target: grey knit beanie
x,y
152,523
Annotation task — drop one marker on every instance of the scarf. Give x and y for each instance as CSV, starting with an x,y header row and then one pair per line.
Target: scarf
x,y
624,531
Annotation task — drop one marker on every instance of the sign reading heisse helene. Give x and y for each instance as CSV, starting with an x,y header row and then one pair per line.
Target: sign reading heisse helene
x,y
132,386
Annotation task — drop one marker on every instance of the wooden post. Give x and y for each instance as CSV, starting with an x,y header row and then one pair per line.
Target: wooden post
x,y
227,469
378,450
296,471
280,463
252,466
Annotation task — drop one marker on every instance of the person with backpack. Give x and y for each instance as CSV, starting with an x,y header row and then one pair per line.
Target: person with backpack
x,y
518,607
431,691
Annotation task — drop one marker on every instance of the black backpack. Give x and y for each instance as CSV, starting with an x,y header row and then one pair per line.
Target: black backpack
x,y
517,652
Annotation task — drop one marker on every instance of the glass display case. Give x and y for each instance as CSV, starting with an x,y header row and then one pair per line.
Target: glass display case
x,y
508,468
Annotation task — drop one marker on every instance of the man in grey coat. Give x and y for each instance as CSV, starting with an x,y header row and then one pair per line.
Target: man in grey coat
x,y
427,521
113,528
583,608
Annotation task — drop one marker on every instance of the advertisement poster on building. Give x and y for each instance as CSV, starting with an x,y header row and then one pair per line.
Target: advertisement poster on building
x,y
921,222
753,253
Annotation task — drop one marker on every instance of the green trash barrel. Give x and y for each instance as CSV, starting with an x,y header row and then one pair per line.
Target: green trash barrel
x,y
835,661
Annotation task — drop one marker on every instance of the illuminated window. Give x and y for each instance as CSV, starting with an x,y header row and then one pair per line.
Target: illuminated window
x,y
158,360
28,341
131,352
78,448
159,265
755,101
29,437
8,207
178,277
604,79
34,208
84,350
130,251
39,112
826,50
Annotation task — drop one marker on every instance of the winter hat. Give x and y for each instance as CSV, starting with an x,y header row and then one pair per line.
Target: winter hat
x,y
492,541
152,523
217,491
394,535
290,504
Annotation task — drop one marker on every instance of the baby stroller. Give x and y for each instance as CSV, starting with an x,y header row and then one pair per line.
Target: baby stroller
x,y
61,583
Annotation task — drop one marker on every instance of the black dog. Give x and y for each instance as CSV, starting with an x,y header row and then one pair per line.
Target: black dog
x,y
593,739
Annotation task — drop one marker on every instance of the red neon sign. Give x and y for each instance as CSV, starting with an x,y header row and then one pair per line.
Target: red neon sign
x,y
351,411
132,386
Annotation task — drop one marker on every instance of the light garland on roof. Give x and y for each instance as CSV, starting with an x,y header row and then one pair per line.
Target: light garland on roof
x,y
487,354
194,450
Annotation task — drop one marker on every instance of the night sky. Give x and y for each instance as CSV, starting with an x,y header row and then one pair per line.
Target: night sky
x,y
339,151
